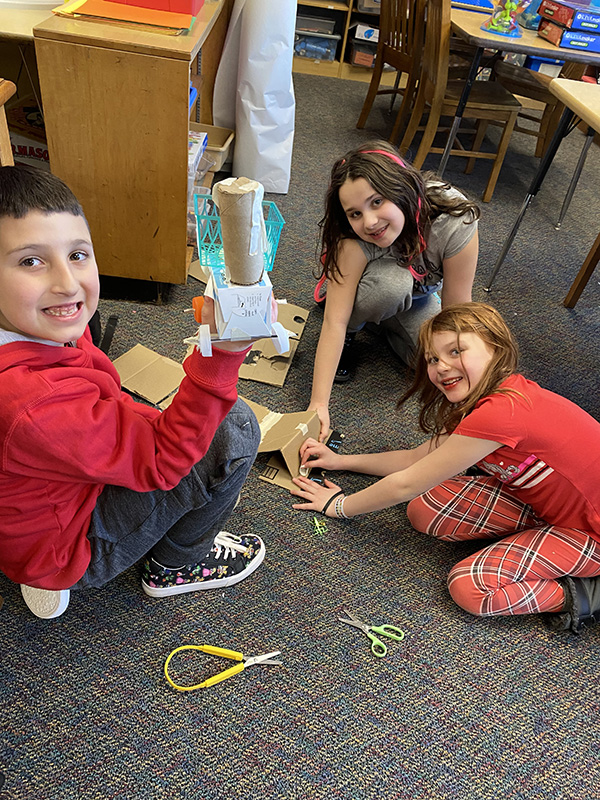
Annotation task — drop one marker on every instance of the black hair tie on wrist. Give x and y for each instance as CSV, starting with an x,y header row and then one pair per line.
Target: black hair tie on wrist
x,y
330,501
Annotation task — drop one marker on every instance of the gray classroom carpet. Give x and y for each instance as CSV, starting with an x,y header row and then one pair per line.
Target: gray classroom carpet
x,y
494,709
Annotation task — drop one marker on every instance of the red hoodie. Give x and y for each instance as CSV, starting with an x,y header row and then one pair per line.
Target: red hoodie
x,y
67,430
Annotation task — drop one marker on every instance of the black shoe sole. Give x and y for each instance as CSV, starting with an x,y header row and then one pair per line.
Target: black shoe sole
x,y
342,377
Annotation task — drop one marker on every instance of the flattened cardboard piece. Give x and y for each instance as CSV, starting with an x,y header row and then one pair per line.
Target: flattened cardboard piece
x,y
263,363
148,374
198,272
283,434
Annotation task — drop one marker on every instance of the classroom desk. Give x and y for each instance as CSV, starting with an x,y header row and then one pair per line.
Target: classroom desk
x,y
19,23
582,101
116,112
467,26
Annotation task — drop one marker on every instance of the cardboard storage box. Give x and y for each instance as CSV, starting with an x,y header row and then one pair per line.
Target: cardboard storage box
x,y
366,32
563,37
576,16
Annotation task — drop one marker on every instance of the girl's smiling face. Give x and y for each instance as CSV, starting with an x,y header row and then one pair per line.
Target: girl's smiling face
x,y
456,363
372,217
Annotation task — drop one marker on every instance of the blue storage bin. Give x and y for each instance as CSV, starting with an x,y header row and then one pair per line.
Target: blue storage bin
x,y
316,46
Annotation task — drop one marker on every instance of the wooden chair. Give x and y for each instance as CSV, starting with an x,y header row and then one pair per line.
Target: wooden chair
x,y
400,46
7,89
488,101
534,85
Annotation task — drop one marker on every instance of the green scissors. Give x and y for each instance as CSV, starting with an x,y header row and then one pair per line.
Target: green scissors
x,y
377,646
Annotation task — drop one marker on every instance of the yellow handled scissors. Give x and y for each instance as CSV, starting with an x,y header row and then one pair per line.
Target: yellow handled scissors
x,y
267,658
377,646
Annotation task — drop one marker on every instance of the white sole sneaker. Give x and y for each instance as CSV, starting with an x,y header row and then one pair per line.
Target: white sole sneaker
x,y
181,580
45,603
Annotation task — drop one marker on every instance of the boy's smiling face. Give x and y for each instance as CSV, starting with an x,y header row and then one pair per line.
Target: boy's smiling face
x,y
49,285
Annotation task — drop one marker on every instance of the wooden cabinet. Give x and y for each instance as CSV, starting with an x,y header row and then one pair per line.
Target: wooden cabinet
x,y
116,113
344,15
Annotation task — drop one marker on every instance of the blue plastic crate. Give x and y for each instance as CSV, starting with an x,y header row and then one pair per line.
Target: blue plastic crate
x,y
208,227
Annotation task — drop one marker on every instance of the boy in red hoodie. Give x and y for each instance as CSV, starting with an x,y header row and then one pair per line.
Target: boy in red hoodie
x,y
90,480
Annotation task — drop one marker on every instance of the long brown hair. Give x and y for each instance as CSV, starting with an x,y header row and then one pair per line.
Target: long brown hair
x,y
420,200
439,415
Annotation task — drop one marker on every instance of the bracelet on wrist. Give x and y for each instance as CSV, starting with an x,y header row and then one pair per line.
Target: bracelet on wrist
x,y
330,501
339,507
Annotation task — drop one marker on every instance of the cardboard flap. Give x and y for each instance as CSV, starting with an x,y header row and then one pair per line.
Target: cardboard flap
x,y
148,374
283,434
293,318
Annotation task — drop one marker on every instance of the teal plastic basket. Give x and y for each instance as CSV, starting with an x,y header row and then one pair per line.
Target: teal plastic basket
x,y
208,227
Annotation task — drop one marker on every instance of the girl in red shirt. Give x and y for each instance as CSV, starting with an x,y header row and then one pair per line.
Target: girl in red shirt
x,y
538,500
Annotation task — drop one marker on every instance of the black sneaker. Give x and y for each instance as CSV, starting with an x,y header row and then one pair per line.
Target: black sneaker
x,y
582,605
230,560
345,367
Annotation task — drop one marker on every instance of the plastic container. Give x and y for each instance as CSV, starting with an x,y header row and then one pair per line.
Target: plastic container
x,y
208,227
363,54
547,66
369,6
218,147
316,46
306,24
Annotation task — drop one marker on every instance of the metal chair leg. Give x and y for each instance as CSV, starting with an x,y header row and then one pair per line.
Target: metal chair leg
x,y
574,180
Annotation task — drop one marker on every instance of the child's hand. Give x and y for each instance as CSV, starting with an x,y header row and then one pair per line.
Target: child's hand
x,y
323,415
315,495
317,454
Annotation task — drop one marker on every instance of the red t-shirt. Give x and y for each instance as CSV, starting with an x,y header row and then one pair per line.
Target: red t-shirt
x,y
550,456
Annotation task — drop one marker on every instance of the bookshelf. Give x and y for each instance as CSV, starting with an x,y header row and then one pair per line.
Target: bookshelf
x,y
343,16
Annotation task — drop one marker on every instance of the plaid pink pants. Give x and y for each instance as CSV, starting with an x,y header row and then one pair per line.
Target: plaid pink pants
x,y
517,573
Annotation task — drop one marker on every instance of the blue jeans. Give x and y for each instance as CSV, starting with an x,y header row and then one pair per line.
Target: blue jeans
x,y
177,526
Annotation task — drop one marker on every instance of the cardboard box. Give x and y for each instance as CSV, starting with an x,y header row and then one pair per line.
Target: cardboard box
x,y
147,374
27,133
563,37
366,32
575,16
263,363
282,434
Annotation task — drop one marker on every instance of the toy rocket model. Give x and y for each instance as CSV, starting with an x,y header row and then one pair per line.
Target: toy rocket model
x,y
241,289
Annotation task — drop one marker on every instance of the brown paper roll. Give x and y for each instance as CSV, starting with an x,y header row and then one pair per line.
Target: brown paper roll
x,y
235,202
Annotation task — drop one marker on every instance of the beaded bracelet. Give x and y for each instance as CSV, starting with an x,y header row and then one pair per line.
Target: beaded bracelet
x,y
339,508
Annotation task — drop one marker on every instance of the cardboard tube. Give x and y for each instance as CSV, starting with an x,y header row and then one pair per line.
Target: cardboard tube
x,y
240,208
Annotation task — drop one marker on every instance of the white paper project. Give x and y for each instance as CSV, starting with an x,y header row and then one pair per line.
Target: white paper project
x,y
253,92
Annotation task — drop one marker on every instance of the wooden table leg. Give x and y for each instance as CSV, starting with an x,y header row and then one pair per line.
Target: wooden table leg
x,y
583,276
